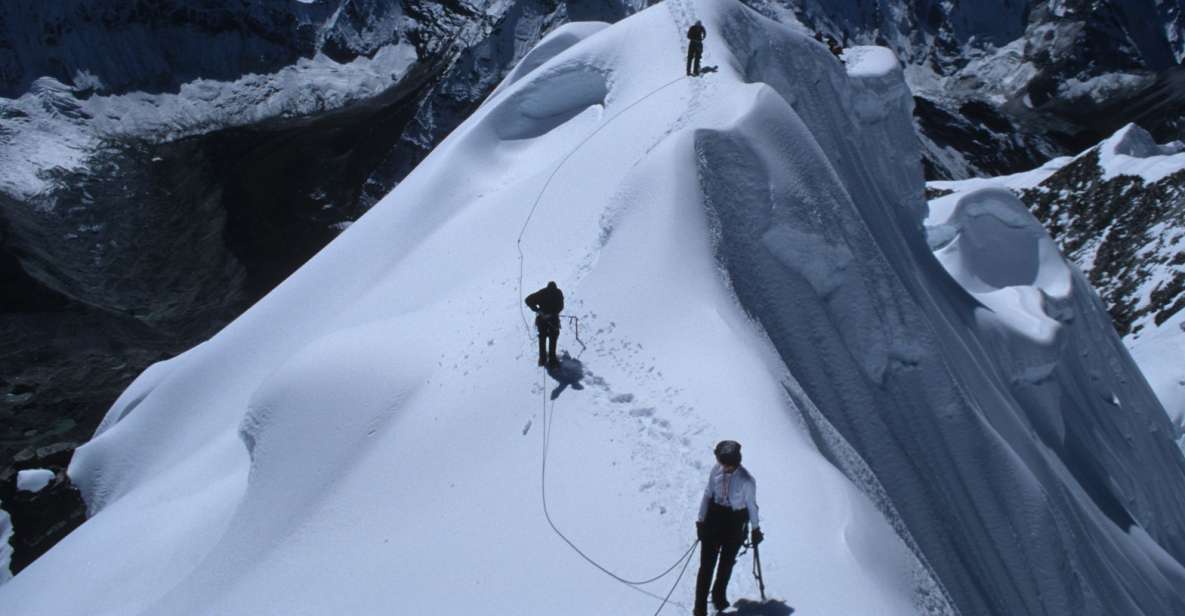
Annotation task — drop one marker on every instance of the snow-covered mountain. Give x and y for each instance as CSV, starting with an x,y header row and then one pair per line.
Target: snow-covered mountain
x,y
247,133
252,133
113,105
746,256
1117,210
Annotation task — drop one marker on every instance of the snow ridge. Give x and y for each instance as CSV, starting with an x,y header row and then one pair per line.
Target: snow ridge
x,y
884,361
360,430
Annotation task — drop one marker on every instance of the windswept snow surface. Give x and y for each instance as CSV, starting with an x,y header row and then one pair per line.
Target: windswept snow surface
x,y
556,42
1005,259
1156,345
746,257
382,391
998,449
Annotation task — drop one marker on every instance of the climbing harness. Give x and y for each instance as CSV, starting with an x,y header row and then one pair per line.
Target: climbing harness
x,y
547,324
547,327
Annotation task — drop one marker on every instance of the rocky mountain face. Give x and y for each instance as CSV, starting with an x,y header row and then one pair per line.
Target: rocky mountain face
x,y
1003,86
111,47
1125,232
43,517
164,163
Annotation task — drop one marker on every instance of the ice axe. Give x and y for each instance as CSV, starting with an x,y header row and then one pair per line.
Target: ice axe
x,y
757,571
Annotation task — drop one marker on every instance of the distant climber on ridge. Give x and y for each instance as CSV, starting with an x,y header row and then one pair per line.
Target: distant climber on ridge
x,y
729,503
547,304
835,48
695,47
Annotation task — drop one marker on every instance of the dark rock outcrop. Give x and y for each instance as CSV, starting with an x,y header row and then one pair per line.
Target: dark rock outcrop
x,y
1123,232
41,519
1065,75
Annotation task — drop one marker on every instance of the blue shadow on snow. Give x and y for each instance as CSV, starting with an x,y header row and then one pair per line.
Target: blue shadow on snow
x,y
771,607
568,373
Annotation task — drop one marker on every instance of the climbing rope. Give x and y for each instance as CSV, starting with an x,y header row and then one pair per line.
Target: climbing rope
x,y
684,559
539,198
548,421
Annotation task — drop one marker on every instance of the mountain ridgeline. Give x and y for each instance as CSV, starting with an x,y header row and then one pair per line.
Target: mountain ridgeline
x,y
937,427
165,165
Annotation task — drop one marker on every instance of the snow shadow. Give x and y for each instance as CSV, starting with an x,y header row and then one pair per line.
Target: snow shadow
x,y
550,101
771,607
569,373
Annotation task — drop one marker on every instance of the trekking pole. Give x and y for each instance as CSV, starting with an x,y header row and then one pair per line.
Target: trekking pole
x,y
757,571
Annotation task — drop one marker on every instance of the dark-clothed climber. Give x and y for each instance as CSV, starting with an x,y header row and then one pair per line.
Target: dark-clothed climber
x,y
547,303
695,47
730,501
835,48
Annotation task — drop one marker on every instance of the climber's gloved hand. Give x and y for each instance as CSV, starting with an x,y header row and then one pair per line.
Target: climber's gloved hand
x,y
756,537
701,533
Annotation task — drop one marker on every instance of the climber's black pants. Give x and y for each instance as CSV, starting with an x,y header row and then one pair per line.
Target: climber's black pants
x,y
549,334
695,51
725,533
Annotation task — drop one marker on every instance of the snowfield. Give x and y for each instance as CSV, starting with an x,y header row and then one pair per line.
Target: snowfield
x,y
746,257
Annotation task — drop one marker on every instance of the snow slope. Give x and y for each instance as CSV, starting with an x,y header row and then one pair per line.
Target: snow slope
x,y
384,411
746,257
